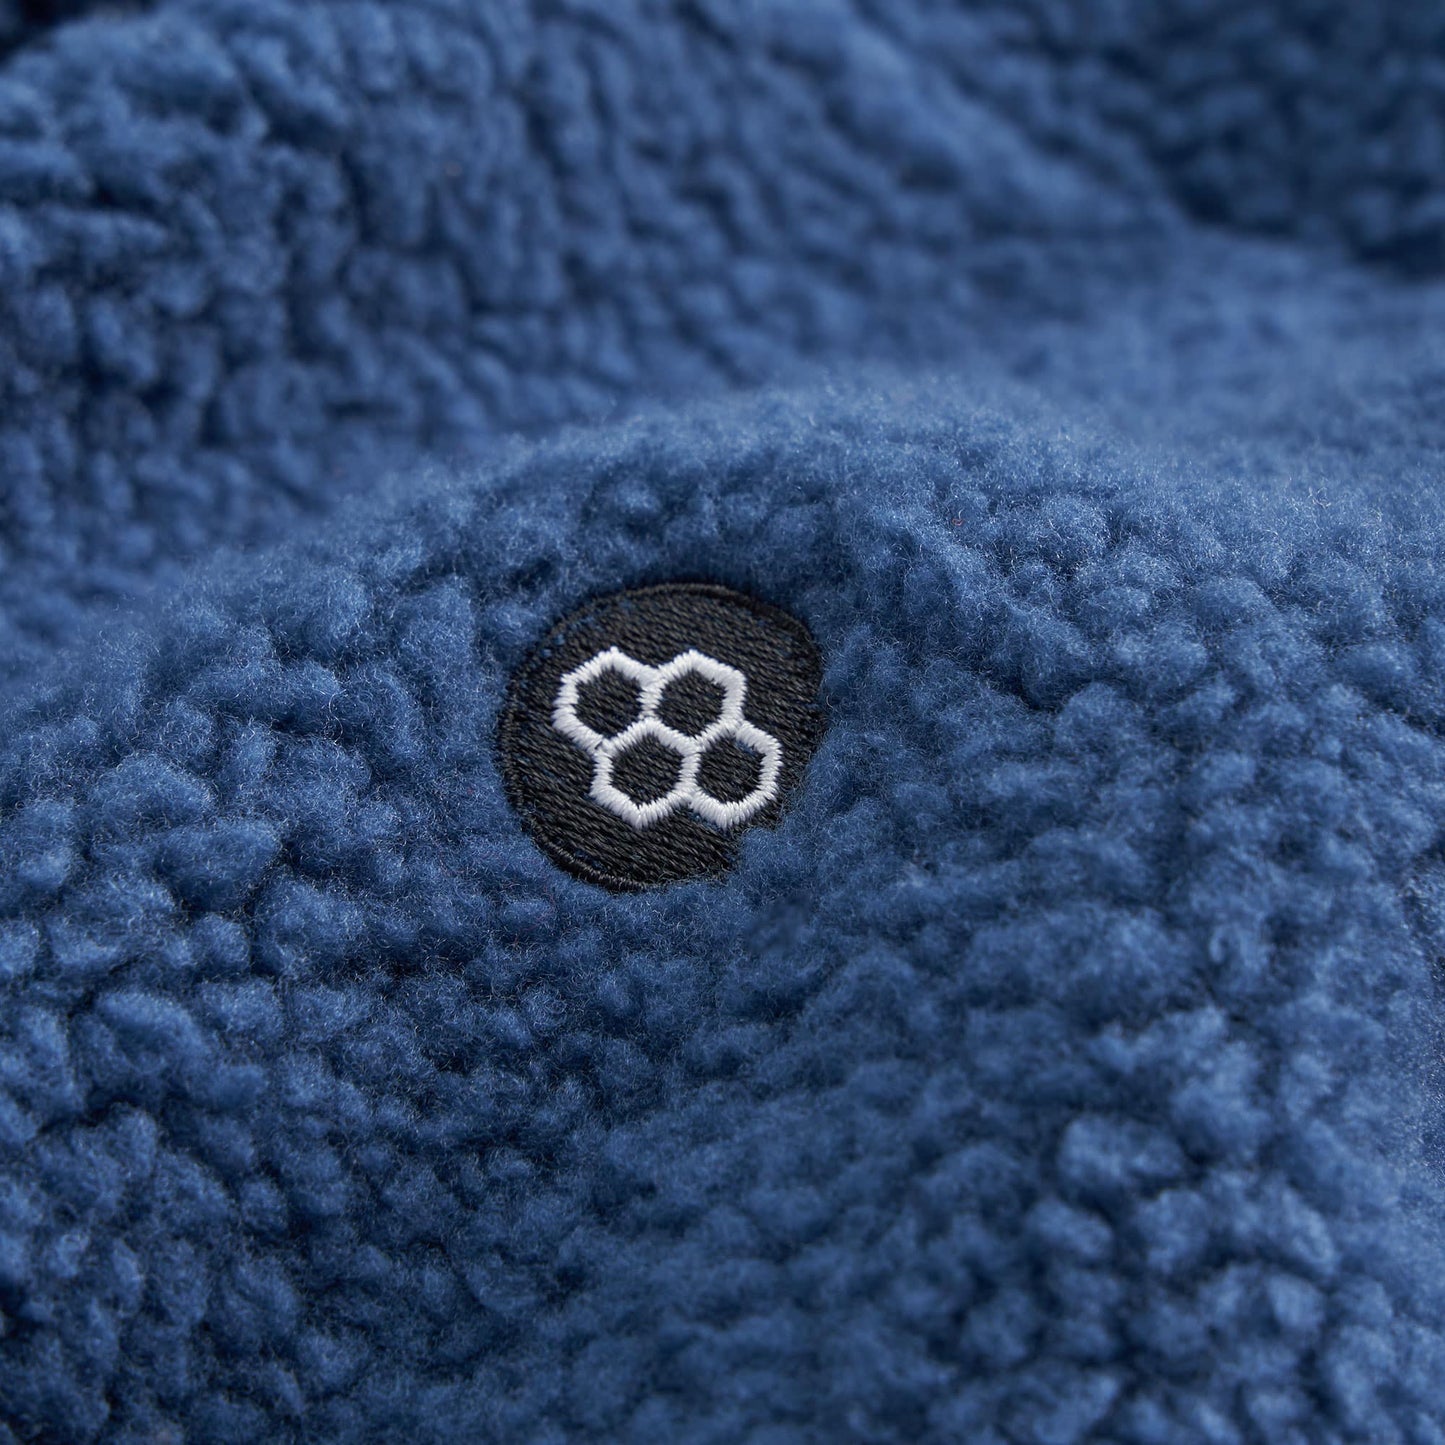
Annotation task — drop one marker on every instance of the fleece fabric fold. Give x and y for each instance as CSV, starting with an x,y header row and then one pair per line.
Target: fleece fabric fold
x,y
1065,1065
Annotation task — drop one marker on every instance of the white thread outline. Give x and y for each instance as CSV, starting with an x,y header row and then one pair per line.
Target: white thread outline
x,y
652,682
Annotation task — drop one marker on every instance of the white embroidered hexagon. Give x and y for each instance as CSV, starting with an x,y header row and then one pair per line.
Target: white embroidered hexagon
x,y
652,682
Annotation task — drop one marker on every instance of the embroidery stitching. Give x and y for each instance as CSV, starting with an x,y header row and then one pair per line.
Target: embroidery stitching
x,y
755,669
729,725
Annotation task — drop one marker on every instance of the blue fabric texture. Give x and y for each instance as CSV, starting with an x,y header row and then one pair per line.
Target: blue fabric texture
x,y
1068,1065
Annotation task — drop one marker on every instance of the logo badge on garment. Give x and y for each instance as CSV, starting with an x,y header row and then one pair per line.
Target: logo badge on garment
x,y
646,732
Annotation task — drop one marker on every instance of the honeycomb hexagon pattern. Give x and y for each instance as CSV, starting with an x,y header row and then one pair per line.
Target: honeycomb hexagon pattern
x,y
686,792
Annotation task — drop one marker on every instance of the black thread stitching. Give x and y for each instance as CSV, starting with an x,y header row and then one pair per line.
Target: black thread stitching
x,y
547,777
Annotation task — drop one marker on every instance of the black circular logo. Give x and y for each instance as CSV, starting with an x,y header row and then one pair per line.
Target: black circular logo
x,y
648,730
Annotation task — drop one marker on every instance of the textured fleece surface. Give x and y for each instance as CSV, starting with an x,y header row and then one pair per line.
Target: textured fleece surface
x,y
1068,1065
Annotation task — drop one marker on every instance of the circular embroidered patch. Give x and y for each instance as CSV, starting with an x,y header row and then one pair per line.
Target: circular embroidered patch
x,y
648,730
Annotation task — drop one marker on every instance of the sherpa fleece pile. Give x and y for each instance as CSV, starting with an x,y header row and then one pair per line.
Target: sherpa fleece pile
x,y
1066,1065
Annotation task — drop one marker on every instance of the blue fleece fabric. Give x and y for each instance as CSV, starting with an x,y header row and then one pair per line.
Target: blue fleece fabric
x,y
1069,1064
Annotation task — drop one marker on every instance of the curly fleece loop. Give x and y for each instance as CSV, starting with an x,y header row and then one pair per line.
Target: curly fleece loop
x,y
1065,1068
